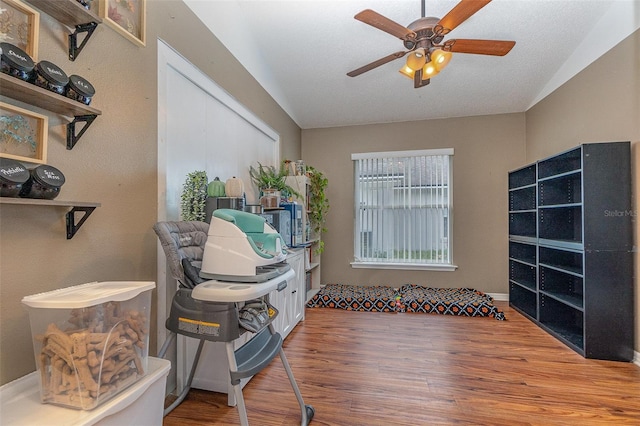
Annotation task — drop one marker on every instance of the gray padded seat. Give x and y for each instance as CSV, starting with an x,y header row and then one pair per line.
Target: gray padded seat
x,y
183,244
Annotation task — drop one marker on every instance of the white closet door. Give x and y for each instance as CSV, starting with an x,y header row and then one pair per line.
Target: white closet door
x,y
200,127
203,133
186,126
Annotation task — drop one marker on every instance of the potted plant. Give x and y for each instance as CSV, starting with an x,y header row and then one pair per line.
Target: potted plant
x,y
271,182
318,204
194,195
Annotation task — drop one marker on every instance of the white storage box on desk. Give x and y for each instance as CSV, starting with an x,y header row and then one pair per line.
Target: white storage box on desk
x,y
90,341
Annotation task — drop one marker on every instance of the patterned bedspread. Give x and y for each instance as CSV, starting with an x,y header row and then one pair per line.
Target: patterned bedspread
x,y
355,298
449,301
408,298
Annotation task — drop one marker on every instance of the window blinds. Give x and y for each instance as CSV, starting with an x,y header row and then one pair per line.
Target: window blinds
x,y
403,207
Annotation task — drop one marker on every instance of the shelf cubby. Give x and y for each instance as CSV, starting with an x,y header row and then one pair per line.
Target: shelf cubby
x,y
523,299
565,287
571,261
566,189
523,224
560,223
559,164
522,177
523,274
522,199
523,252
563,320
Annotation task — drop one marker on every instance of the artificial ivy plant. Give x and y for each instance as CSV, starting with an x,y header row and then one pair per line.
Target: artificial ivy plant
x,y
318,204
194,194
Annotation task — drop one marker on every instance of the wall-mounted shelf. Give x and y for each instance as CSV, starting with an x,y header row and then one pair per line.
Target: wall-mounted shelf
x,y
37,96
72,225
72,14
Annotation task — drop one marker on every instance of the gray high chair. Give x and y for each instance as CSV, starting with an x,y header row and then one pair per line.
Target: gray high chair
x,y
183,244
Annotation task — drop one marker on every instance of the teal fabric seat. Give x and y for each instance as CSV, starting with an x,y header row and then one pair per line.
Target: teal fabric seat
x,y
247,222
265,244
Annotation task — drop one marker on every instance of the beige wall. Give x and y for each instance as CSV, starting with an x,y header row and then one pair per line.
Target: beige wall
x,y
600,104
486,148
114,163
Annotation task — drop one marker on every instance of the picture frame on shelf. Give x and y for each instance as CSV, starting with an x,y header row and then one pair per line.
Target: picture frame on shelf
x,y
20,26
23,134
126,17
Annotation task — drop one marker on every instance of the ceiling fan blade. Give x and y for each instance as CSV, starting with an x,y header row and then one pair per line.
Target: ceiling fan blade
x,y
460,13
376,64
479,47
385,24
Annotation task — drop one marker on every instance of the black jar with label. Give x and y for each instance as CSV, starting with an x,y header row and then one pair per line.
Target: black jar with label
x,y
85,4
45,182
16,62
12,176
80,89
51,77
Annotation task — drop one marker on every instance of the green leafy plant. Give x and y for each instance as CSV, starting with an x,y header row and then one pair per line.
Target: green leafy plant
x,y
318,204
270,177
194,194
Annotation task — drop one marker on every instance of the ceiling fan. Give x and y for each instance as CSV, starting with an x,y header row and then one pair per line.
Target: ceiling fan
x,y
424,41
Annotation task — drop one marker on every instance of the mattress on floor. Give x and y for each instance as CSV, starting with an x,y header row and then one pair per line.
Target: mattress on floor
x,y
408,298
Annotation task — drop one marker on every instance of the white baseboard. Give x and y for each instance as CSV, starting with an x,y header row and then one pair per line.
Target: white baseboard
x,y
636,358
501,297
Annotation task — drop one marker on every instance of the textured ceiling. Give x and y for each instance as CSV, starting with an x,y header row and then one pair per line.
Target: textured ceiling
x,y
300,52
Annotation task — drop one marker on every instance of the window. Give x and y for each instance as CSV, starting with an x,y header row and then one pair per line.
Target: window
x,y
403,206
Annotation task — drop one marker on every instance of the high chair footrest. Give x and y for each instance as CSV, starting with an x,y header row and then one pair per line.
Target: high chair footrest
x,y
256,354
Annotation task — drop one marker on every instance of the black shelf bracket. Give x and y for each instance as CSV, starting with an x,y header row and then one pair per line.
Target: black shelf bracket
x,y
74,48
72,226
72,137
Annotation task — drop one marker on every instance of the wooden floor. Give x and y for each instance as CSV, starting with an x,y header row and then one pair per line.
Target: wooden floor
x,y
358,368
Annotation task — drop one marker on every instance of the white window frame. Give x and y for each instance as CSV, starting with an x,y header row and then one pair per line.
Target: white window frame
x,y
427,264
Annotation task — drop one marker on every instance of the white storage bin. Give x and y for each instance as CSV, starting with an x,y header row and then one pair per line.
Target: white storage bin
x,y
90,341
142,404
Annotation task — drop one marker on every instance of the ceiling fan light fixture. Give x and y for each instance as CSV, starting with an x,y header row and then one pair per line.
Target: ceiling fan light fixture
x,y
429,70
440,58
407,72
426,50
417,59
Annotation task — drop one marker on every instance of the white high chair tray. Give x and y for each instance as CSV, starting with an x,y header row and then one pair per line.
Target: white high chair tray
x,y
224,291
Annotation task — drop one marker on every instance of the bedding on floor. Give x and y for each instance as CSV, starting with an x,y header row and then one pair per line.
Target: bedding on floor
x,y
355,298
408,298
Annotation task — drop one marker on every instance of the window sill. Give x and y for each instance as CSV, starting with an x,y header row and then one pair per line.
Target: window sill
x,y
404,266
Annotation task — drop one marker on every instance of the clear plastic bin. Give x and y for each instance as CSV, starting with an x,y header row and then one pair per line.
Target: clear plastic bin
x,y
90,341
